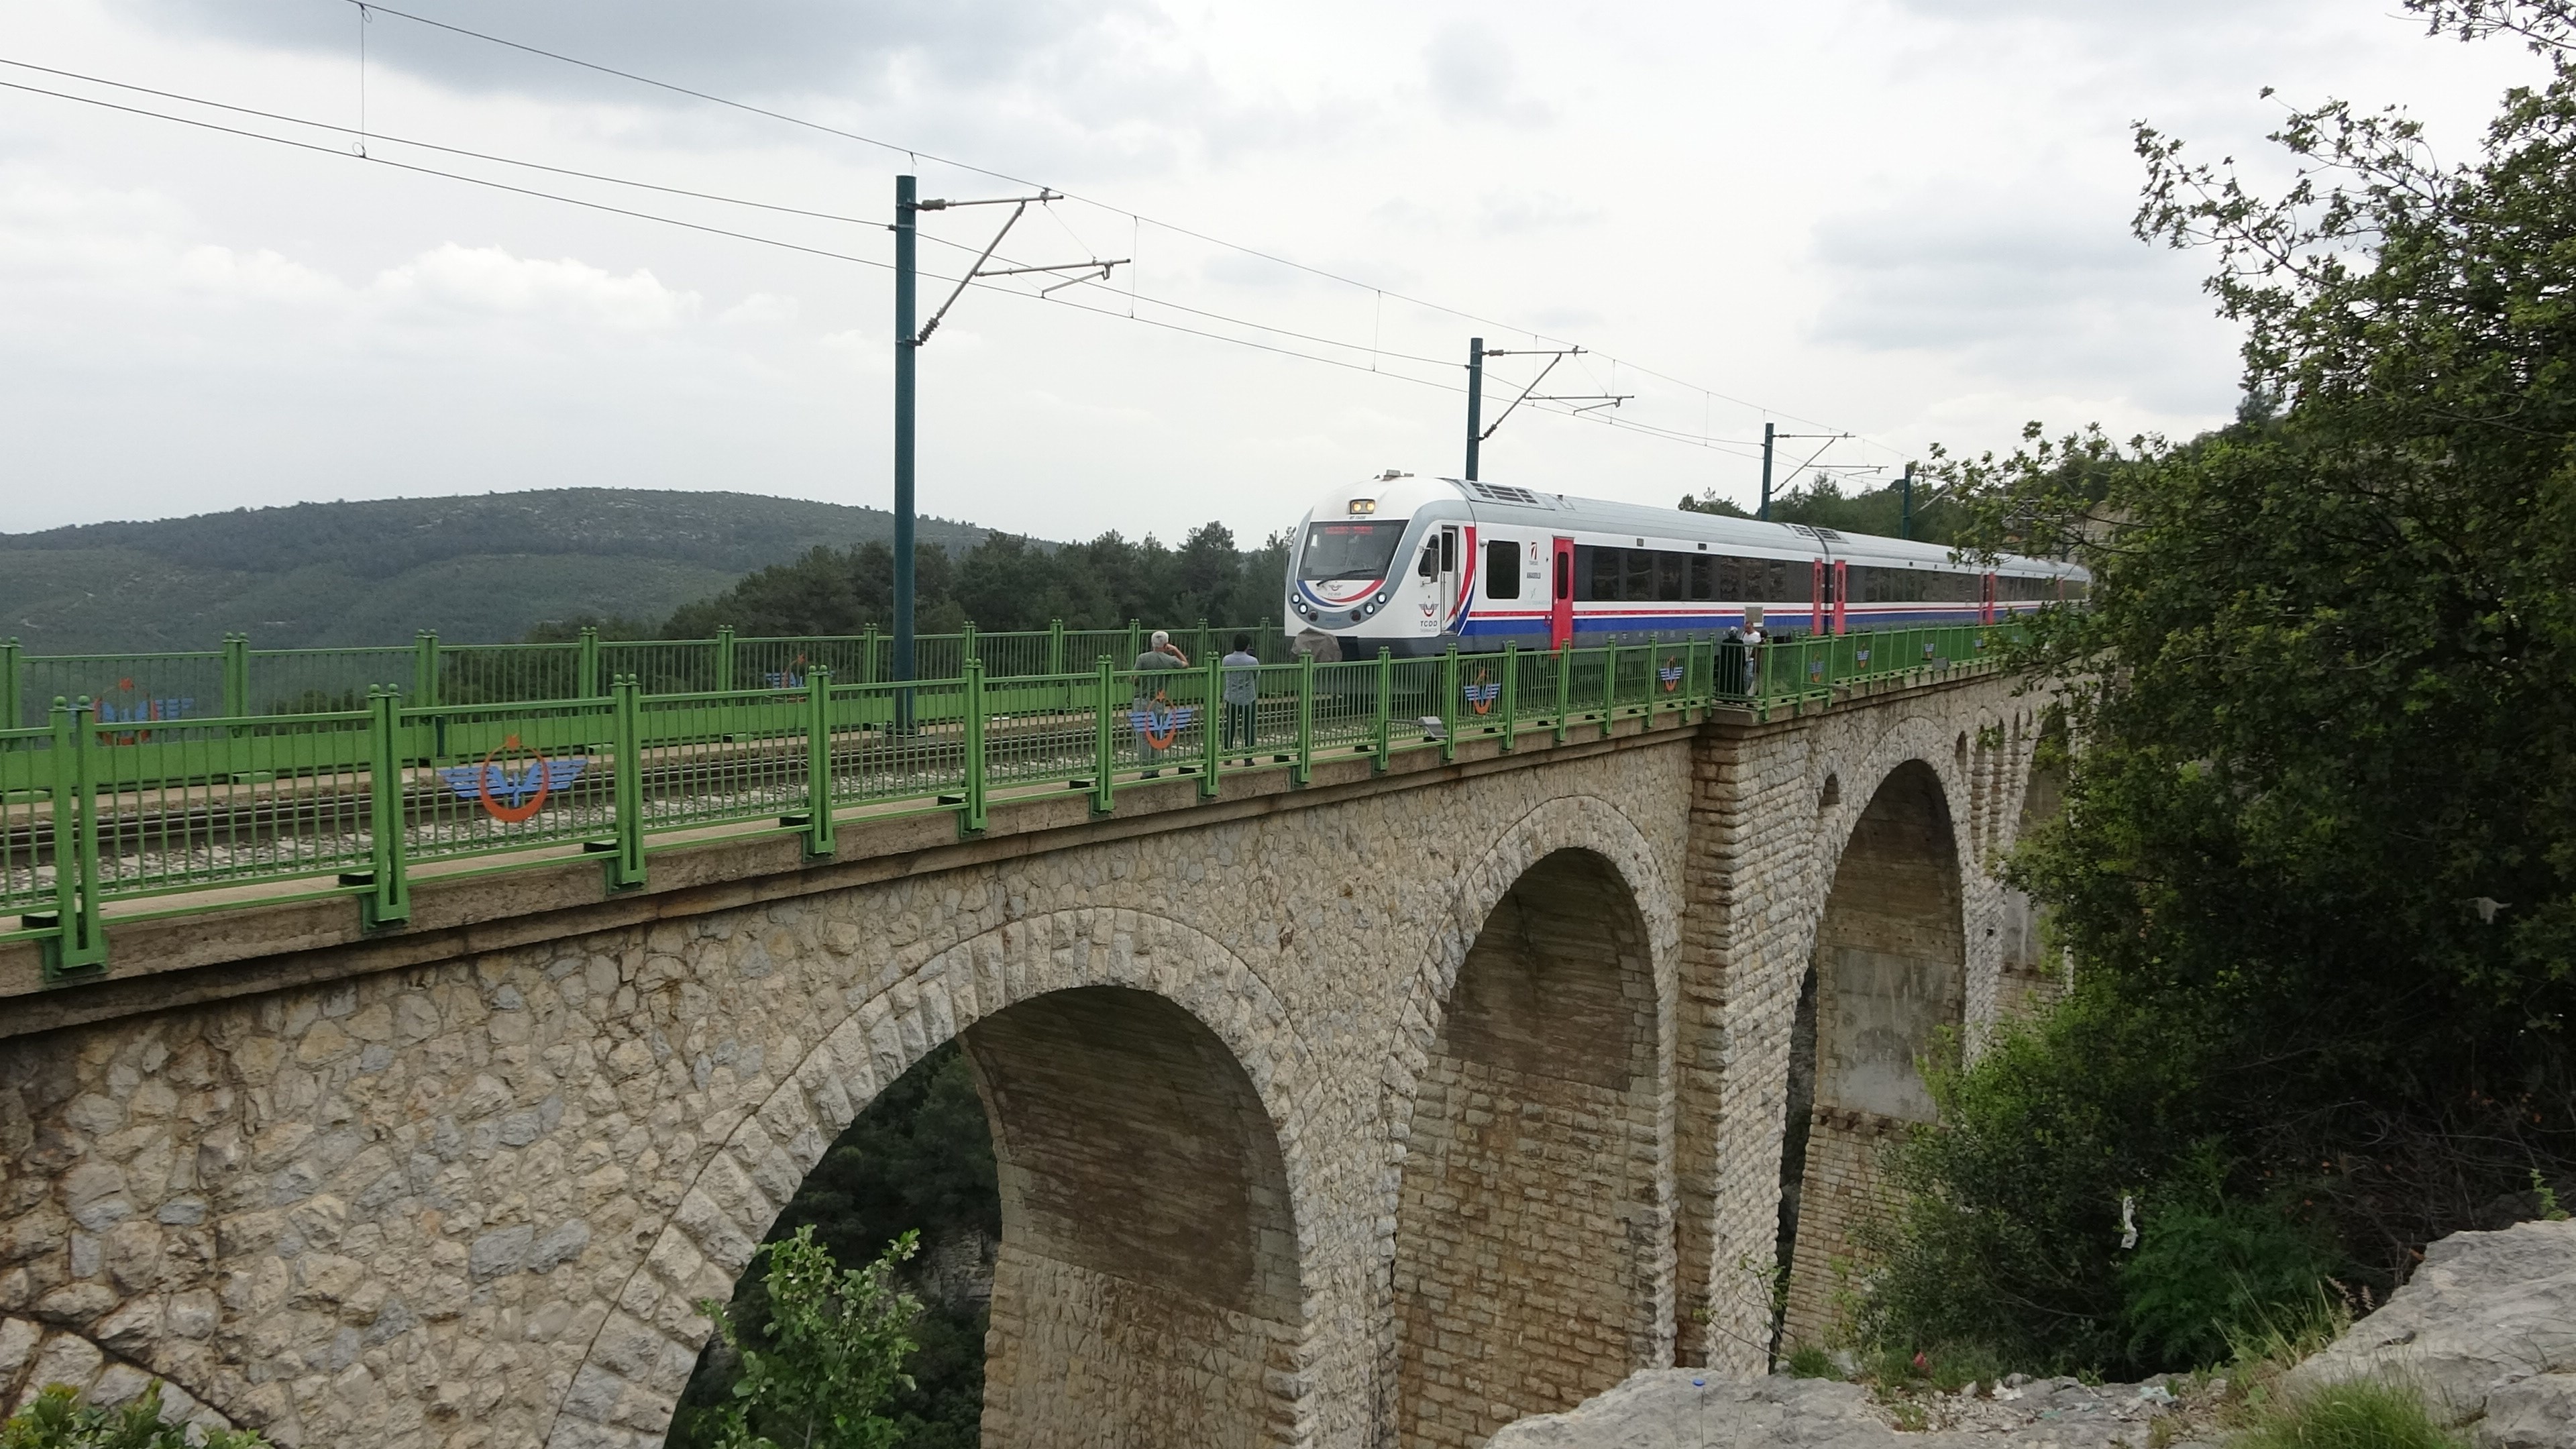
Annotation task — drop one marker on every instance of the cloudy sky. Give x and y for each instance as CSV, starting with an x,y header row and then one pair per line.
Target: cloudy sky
x,y
1905,219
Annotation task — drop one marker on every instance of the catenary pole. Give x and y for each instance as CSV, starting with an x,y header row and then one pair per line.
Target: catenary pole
x,y
1767,435
1475,400
1905,503
906,349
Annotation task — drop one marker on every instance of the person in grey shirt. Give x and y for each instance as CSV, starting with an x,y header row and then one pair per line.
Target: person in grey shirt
x,y
1158,720
1242,694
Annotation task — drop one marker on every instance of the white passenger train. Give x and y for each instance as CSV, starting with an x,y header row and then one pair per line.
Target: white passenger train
x,y
1415,565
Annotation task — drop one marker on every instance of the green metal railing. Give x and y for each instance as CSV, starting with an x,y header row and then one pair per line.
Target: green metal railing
x,y
236,680
108,815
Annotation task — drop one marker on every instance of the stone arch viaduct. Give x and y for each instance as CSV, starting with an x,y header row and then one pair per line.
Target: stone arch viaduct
x,y
1374,1113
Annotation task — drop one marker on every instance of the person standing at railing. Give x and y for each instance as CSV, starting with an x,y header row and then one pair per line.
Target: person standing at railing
x,y
1753,656
1158,720
1242,694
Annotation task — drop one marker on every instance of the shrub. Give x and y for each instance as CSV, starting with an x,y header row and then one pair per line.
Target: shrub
x,y
2006,1241
2211,1272
59,1420
837,1339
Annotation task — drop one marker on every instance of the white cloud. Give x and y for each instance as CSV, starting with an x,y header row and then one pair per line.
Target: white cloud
x,y
488,280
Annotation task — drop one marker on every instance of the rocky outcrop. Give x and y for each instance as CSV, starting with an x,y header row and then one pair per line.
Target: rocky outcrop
x,y
2487,1329
1687,1409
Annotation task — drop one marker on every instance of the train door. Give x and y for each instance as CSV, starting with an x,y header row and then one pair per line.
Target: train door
x,y
1453,580
1985,598
1816,599
1842,592
1560,617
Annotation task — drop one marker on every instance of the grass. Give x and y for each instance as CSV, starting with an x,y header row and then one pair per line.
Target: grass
x,y
1808,1362
2363,1414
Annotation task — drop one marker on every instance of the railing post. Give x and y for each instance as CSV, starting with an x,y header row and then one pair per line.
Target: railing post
x,y
424,669
1105,741
971,820
1609,690
868,655
11,680
819,838
1135,641
1385,702
1304,771
1211,725
388,901
625,862
1511,695
966,644
1564,692
1202,638
236,675
1449,704
1055,646
81,947
724,658
586,679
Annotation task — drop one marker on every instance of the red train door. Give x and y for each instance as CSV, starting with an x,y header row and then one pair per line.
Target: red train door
x,y
1842,592
1560,618
1986,598
1816,600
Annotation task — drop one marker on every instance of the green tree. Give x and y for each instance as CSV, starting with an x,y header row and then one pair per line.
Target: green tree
x,y
918,1159
1823,502
2320,828
838,1340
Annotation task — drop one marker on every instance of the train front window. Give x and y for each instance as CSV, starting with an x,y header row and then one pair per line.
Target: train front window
x,y
1349,550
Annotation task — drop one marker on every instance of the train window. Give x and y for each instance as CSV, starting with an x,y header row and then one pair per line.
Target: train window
x,y
1598,571
1779,580
1670,575
1502,569
1703,576
1641,575
1448,550
1430,565
1349,550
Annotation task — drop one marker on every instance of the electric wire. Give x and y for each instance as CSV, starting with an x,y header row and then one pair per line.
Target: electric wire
x,y
364,134
1138,217
1720,445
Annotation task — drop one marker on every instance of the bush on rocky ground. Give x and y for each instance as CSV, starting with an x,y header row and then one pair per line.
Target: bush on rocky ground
x,y
57,1419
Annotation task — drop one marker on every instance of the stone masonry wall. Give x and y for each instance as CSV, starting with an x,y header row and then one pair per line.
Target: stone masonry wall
x,y
1150,1266
1530,1240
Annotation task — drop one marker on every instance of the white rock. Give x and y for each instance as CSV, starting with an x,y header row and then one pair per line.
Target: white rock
x,y
2487,1329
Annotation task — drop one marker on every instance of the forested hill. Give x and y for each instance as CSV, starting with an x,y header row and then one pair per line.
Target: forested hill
x,y
476,569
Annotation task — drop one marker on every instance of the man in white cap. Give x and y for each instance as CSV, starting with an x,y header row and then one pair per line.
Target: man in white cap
x,y
1158,722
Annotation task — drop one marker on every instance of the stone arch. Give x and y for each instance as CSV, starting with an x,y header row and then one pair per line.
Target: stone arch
x,y
33,1357
1534,1167
1199,1331
2026,980
1888,968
